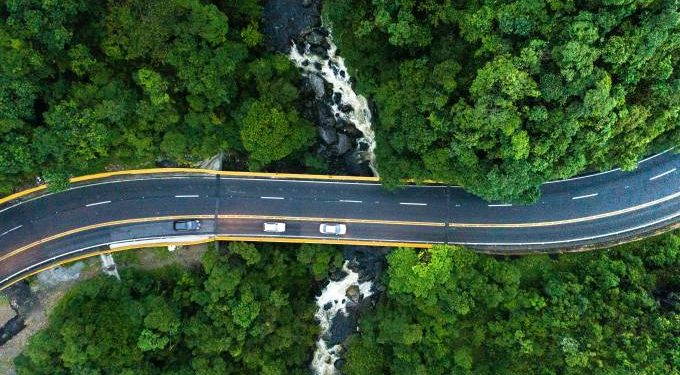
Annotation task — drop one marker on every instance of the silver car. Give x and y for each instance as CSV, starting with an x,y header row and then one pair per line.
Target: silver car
x,y
336,229
186,225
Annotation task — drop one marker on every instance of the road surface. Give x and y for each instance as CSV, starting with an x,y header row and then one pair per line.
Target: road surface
x,y
98,215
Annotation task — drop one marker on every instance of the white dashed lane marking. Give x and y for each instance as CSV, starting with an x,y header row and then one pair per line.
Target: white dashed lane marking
x,y
586,196
662,174
97,204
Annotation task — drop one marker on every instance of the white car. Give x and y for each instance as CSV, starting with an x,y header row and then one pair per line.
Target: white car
x,y
275,227
336,229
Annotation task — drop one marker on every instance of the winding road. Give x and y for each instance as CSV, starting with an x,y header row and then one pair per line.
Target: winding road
x,y
133,209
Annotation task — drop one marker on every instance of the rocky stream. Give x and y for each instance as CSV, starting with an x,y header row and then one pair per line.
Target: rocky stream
x,y
346,141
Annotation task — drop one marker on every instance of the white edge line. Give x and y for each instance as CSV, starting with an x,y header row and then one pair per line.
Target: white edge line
x,y
569,240
310,181
77,251
452,243
412,204
350,201
662,174
500,205
11,230
585,196
187,196
609,171
165,237
277,198
97,204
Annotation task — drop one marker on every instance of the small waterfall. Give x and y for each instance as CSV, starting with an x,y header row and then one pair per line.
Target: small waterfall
x,y
346,104
335,298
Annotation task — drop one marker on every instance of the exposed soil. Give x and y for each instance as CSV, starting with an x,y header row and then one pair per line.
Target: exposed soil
x,y
34,310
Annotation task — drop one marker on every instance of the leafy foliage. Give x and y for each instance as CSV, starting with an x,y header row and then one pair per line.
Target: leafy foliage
x,y
249,311
500,96
85,84
449,310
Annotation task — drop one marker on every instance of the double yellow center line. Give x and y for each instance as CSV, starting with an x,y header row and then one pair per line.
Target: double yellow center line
x,y
101,225
342,220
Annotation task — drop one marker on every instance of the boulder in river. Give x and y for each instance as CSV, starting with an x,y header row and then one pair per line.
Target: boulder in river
x,y
326,118
343,144
284,20
353,293
328,135
317,85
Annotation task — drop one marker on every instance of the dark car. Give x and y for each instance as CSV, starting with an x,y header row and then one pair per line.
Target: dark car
x,y
187,225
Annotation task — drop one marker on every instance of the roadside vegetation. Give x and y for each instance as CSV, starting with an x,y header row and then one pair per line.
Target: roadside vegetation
x,y
445,311
501,96
496,96
452,311
250,310
89,84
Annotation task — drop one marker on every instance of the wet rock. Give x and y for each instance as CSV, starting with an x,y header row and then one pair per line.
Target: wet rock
x,y
317,86
21,297
286,19
353,293
345,108
326,118
351,130
328,88
315,37
319,50
341,124
355,166
369,262
21,300
337,98
342,326
339,363
328,135
343,144
11,328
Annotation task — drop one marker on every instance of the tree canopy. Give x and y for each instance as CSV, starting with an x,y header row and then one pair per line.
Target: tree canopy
x,y
89,84
248,311
451,311
500,96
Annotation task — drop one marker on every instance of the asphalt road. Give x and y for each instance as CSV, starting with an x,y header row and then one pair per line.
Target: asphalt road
x,y
91,216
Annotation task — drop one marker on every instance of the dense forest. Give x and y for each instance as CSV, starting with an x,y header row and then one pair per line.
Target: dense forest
x,y
499,96
452,311
89,84
447,310
249,311
496,96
